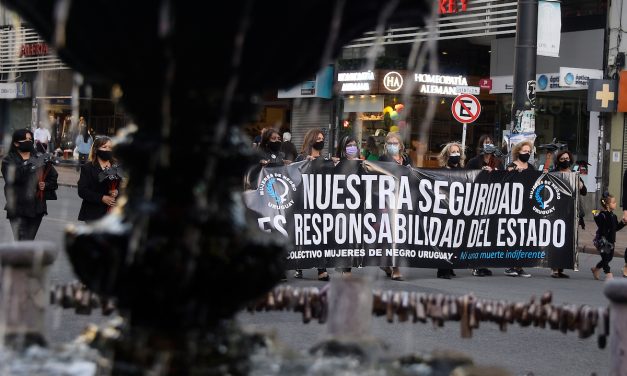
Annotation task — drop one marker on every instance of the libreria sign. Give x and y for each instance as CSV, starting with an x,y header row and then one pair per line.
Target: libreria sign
x,y
440,85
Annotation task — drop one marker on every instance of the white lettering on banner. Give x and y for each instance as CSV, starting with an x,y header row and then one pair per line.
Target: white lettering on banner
x,y
321,192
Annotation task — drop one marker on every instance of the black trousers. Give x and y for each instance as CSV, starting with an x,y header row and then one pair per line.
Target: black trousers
x,y
25,228
606,257
82,159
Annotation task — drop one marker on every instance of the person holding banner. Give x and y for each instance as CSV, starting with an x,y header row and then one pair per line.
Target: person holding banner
x,y
394,152
563,162
452,156
313,144
521,152
270,146
99,193
486,158
347,150
605,238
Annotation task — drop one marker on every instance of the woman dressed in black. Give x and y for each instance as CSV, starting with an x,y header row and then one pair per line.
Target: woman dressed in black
x,y
394,152
99,181
270,146
452,156
30,179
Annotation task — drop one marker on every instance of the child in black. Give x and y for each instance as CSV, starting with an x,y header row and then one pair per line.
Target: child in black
x,y
607,224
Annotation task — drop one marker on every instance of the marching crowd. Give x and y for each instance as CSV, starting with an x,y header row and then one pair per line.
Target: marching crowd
x,y
31,180
277,150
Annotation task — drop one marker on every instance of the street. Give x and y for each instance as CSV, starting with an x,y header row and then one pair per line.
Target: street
x,y
521,350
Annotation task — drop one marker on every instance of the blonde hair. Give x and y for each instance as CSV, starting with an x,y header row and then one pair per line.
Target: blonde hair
x,y
446,152
401,145
606,200
518,146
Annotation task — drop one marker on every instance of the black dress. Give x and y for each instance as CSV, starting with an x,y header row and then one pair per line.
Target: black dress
x,y
91,190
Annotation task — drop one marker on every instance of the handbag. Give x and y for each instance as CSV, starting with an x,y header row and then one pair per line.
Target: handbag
x,y
602,245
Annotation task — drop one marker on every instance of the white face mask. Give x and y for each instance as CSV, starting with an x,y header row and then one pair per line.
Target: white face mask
x,y
455,155
393,149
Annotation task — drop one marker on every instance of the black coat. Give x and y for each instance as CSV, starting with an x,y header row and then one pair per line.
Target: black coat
x,y
91,190
388,158
21,178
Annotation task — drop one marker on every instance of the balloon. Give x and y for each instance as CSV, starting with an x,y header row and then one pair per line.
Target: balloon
x,y
394,115
387,109
399,107
394,128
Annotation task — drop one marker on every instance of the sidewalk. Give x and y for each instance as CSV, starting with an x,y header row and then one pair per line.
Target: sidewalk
x,y
68,176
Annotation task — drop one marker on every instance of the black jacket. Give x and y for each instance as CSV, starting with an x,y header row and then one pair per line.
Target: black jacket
x,y
91,191
477,163
21,178
387,158
607,224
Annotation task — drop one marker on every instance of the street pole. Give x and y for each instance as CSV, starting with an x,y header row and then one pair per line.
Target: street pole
x,y
524,91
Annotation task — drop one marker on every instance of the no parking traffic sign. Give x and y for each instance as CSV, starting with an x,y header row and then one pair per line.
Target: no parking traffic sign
x,y
466,108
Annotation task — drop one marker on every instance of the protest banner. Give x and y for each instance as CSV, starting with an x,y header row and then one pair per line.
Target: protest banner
x,y
362,213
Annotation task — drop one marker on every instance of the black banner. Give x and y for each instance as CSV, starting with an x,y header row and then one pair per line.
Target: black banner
x,y
362,213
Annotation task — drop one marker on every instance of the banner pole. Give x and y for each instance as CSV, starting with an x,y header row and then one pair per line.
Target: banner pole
x,y
464,137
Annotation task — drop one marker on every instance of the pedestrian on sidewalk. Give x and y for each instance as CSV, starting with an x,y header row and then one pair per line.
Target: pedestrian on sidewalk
x,y
625,217
98,182
605,237
83,144
29,181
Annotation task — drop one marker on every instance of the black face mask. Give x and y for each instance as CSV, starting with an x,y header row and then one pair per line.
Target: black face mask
x,y
524,157
105,155
25,146
319,145
274,146
453,160
562,165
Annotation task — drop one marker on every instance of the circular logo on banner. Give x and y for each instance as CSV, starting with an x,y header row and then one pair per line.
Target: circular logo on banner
x,y
393,81
466,108
277,188
543,196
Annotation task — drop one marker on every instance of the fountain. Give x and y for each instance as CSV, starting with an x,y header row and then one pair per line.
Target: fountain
x,y
190,81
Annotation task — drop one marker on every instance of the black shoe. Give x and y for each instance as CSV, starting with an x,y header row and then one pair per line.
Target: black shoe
x,y
452,272
298,274
324,276
444,274
486,272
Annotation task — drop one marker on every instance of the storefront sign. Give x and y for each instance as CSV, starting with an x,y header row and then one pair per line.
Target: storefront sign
x,y
474,90
452,6
544,82
15,90
439,84
362,213
602,95
33,49
577,77
549,28
393,81
356,81
485,83
320,86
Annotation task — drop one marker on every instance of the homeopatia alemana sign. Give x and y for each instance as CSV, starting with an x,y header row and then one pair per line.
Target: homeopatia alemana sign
x,y
393,81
